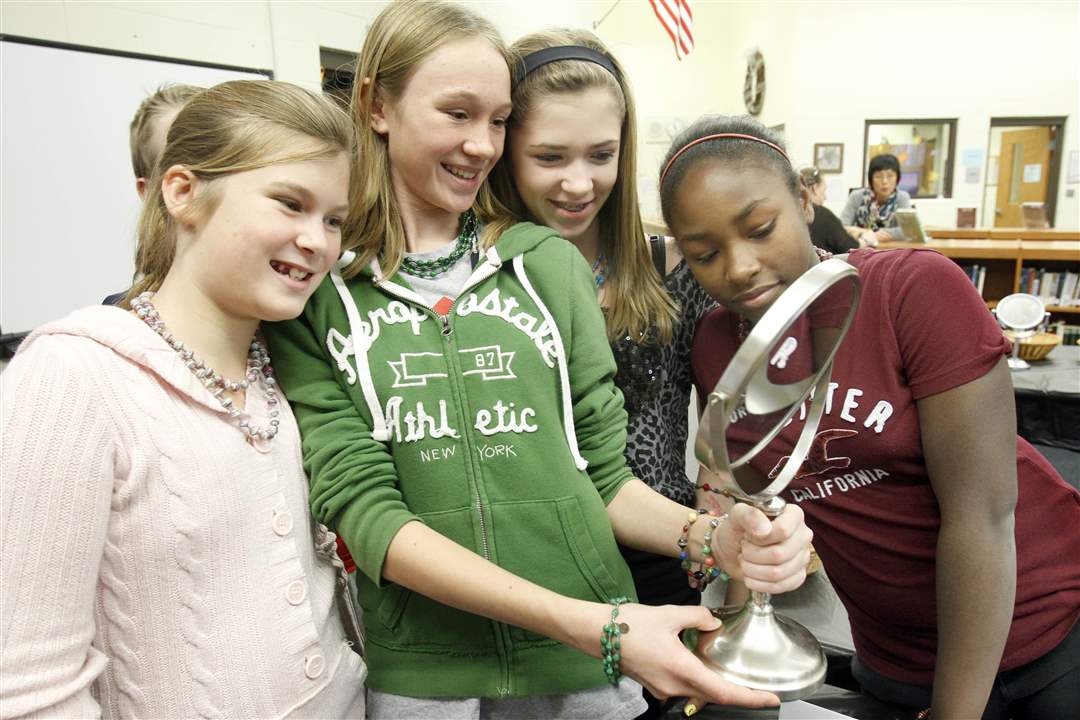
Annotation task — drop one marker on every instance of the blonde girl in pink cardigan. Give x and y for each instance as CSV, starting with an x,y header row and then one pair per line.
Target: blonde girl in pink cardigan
x,y
158,555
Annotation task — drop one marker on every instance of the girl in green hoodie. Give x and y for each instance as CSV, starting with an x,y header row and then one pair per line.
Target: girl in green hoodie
x,y
453,385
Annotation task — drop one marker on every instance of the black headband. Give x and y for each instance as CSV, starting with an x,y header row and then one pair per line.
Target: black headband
x,y
563,52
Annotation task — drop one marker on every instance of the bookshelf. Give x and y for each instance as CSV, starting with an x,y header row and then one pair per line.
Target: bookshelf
x,y
1004,252
1008,255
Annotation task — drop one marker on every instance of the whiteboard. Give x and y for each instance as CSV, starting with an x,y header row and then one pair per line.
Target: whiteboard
x,y
68,207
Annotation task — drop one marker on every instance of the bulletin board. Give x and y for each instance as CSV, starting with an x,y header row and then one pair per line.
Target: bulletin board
x,y
68,206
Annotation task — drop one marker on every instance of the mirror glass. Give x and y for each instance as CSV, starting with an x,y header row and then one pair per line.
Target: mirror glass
x,y
1020,311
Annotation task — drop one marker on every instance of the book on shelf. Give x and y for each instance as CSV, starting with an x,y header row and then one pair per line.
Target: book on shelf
x,y
1033,215
1070,334
977,275
965,217
1054,286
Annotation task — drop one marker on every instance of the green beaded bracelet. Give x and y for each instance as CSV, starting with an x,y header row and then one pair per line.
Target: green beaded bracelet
x,y
610,644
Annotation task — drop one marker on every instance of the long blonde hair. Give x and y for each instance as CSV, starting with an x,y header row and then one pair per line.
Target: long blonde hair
x,y
403,35
635,292
232,127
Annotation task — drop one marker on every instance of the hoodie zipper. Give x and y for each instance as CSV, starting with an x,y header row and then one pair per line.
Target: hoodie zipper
x,y
447,332
501,632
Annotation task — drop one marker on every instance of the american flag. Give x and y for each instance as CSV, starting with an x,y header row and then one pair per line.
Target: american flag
x,y
678,22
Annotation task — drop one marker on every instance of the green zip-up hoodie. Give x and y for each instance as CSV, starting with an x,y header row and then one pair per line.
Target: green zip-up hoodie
x,y
498,426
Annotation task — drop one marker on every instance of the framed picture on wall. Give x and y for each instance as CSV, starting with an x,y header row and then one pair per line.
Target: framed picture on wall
x,y
829,157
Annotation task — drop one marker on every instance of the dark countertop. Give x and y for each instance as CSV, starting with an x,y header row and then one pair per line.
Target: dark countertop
x,y
1059,373
845,702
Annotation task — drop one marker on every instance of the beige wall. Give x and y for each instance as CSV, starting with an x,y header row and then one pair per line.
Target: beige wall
x,y
830,65
279,35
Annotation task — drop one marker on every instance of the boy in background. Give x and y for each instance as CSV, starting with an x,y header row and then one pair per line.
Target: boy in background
x,y
149,128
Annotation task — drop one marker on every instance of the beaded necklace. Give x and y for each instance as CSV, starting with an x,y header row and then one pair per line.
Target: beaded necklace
x,y
258,367
599,271
432,269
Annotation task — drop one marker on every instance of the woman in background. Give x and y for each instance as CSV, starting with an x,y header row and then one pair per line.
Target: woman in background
x,y
869,215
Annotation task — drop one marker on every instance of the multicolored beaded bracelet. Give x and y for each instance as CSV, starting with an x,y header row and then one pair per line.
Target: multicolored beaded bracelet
x,y
707,571
708,565
684,539
719,491
610,643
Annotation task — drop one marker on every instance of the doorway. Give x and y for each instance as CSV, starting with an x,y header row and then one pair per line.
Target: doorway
x,y
1023,164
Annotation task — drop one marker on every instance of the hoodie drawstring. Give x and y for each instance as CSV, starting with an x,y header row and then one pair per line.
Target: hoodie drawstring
x,y
360,345
560,354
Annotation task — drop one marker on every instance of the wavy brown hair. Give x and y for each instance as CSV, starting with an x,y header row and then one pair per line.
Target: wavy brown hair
x,y
635,292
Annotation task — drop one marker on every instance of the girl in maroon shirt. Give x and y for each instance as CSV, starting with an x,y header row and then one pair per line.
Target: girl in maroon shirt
x,y
953,544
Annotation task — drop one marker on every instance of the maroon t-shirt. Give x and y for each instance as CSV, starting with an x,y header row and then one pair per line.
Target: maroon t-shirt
x,y
921,329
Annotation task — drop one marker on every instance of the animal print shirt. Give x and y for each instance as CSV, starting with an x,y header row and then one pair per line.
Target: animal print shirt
x,y
655,381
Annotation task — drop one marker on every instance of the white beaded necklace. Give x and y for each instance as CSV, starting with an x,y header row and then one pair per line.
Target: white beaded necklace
x,y
258,367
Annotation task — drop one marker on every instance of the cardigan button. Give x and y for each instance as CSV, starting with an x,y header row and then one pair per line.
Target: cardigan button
x,y
295,592
314,666
283,522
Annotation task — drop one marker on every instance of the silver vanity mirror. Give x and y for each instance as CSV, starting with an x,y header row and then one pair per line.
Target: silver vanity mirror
x,y
1023,315
783,367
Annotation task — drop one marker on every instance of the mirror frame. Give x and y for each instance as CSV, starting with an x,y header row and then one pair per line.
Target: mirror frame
x,y
749,367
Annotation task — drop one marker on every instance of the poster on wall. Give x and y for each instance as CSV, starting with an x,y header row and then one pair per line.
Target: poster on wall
x,y
972,157
836,189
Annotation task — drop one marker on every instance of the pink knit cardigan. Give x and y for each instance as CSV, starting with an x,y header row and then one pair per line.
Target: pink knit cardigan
x,y
154,563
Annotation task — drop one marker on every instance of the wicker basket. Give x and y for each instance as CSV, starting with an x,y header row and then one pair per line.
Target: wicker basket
x,y
1037,347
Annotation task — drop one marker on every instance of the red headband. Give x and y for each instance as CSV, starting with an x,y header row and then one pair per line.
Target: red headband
x,y
719,136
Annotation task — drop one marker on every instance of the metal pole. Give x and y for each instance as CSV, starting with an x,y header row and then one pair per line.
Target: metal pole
x,y
596,24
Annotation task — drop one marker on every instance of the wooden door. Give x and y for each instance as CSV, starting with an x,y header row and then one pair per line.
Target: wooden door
x,y
1023,173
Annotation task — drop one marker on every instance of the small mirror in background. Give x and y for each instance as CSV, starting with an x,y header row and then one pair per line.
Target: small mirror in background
x,y
1022,316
